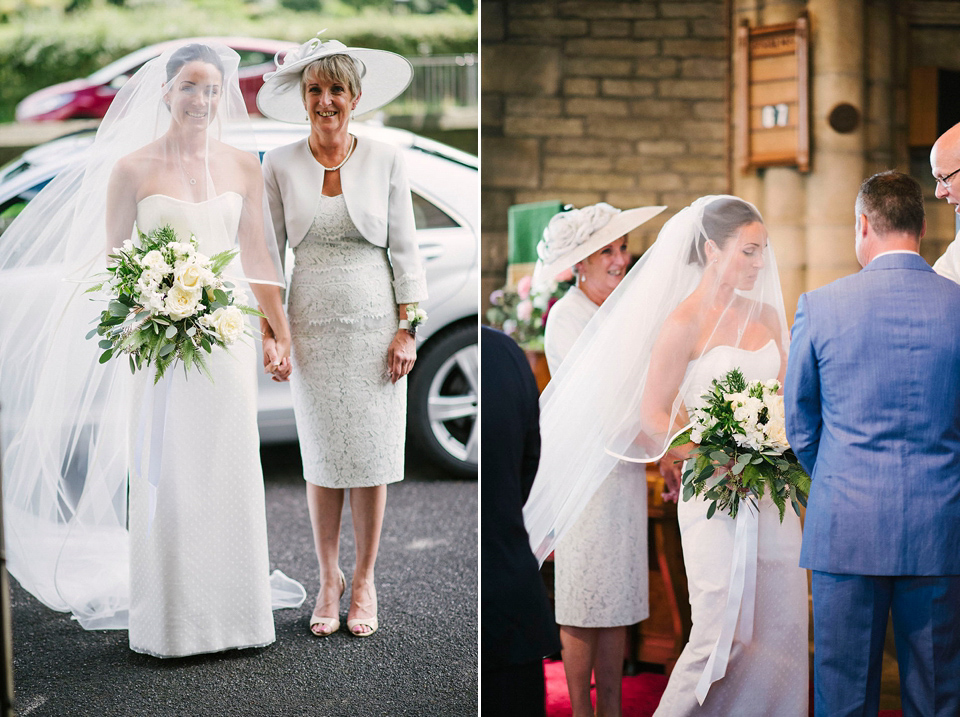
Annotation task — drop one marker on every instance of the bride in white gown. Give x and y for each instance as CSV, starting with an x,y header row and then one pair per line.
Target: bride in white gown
x,y
187,569
704,299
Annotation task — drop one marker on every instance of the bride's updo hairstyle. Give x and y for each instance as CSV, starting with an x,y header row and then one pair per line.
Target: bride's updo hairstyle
x,y
722,220
192,53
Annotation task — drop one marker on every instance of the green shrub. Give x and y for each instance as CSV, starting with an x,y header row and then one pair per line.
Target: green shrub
x,y
303,5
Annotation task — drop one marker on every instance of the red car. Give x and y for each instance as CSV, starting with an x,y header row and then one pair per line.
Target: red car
x,y
88,98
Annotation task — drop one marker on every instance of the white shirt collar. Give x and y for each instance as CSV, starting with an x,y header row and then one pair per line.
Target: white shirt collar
x,y
895,251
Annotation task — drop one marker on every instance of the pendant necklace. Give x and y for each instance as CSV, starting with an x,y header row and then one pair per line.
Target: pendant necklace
x,y
353,145
183,169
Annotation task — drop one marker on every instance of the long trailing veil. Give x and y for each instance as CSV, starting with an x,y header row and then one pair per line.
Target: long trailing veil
x,y
66,419
592,412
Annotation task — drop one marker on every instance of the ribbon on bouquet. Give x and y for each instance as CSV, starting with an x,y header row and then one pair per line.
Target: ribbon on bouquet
x,y
741,600
153,420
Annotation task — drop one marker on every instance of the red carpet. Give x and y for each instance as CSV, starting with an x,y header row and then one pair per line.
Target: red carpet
x,y
641,693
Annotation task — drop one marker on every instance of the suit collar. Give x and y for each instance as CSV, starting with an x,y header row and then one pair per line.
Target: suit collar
x,y
898,261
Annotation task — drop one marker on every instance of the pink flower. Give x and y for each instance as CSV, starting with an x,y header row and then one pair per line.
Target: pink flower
x,y
524,310
496,297
565,275
523,287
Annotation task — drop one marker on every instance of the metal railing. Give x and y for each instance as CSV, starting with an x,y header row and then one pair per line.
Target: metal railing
x,y
442,81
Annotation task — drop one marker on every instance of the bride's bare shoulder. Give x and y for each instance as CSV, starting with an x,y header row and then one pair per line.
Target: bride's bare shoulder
x,y
682,325
139,163
765,313
686,314
241,160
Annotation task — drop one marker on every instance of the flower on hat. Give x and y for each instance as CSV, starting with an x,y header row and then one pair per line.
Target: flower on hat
x,y
571,229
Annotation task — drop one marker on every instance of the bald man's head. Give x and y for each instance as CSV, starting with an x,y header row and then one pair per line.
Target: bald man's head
x,y
944,163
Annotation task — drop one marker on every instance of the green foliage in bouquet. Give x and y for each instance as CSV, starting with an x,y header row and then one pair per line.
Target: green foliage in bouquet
x,y
742,450
168,303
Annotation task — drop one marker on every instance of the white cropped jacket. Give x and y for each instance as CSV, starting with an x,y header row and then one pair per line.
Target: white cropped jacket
x,y
377,195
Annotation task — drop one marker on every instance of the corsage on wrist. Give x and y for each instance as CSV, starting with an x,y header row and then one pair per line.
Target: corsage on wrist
x,y
415,317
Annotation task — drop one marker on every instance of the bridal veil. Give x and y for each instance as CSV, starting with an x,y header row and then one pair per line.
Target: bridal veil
x,y
590,412
66,418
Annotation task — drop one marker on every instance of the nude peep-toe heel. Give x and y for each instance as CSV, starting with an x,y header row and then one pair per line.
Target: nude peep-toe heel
x,y
331,623
370,622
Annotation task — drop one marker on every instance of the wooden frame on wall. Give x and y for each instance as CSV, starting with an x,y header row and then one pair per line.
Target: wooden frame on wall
x,y
773,108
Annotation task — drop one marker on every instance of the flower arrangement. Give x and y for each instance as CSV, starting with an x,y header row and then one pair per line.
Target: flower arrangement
x,y
742,448
522,314
415,315
168,303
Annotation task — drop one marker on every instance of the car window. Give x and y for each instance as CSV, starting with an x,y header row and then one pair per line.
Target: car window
x,y
428,215
11,208
10,212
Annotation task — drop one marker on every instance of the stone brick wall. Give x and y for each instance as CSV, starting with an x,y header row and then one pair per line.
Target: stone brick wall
x,y
588,101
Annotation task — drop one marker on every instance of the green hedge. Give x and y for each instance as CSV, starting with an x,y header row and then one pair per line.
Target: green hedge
x,y
49,48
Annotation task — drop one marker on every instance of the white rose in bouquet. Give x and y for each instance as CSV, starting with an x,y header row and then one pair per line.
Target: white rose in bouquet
x,y
228,322
181,303
776,429
192,276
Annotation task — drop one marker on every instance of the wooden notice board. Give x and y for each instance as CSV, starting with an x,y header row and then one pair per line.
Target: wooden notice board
x,y
773,106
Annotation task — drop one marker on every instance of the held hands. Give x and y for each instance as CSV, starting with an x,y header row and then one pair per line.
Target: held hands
x,y
401,355
276,358
671,470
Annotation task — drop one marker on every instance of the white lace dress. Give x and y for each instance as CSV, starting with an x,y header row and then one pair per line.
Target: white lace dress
x,y
351,420
601,564
767,677
199,567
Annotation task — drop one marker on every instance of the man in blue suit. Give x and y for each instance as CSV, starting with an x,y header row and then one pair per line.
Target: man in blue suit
x,y
872,398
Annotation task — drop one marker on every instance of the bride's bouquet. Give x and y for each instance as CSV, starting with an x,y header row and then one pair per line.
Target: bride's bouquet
x,y
168,303
742,448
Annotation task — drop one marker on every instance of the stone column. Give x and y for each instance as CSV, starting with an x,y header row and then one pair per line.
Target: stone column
x,y
838,166
779,192
785,196
879,119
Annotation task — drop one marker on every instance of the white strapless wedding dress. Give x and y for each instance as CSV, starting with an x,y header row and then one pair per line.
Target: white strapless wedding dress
x,y
769,676
199,568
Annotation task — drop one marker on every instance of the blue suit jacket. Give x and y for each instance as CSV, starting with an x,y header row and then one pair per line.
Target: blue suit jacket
x,y
872,398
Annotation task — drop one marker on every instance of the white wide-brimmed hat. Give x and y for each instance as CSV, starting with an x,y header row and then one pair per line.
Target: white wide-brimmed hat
x,y
383,76
572,236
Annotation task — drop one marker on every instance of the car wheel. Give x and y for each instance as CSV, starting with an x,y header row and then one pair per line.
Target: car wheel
x,y
443,398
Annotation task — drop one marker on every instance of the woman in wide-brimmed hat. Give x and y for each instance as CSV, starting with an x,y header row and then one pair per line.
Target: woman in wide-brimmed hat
x,y
341,202
601,563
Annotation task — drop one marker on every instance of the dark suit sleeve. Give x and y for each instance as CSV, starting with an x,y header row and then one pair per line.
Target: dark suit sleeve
x,y
801,392
531,442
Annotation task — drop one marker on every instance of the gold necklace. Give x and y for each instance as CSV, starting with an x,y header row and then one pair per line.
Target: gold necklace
x,y
353,145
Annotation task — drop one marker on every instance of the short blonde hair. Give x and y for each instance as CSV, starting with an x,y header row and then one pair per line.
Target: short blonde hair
x,y
336,68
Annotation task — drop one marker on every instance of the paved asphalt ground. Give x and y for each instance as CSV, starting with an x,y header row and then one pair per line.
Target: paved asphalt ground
x,y
422,661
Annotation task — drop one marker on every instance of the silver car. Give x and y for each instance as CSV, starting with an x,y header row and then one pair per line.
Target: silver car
x,y
443,392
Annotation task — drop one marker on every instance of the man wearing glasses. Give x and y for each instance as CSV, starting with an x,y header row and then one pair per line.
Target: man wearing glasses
x,y
945,165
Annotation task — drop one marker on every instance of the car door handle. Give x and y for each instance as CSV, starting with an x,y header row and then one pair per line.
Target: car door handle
x,y
431,251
